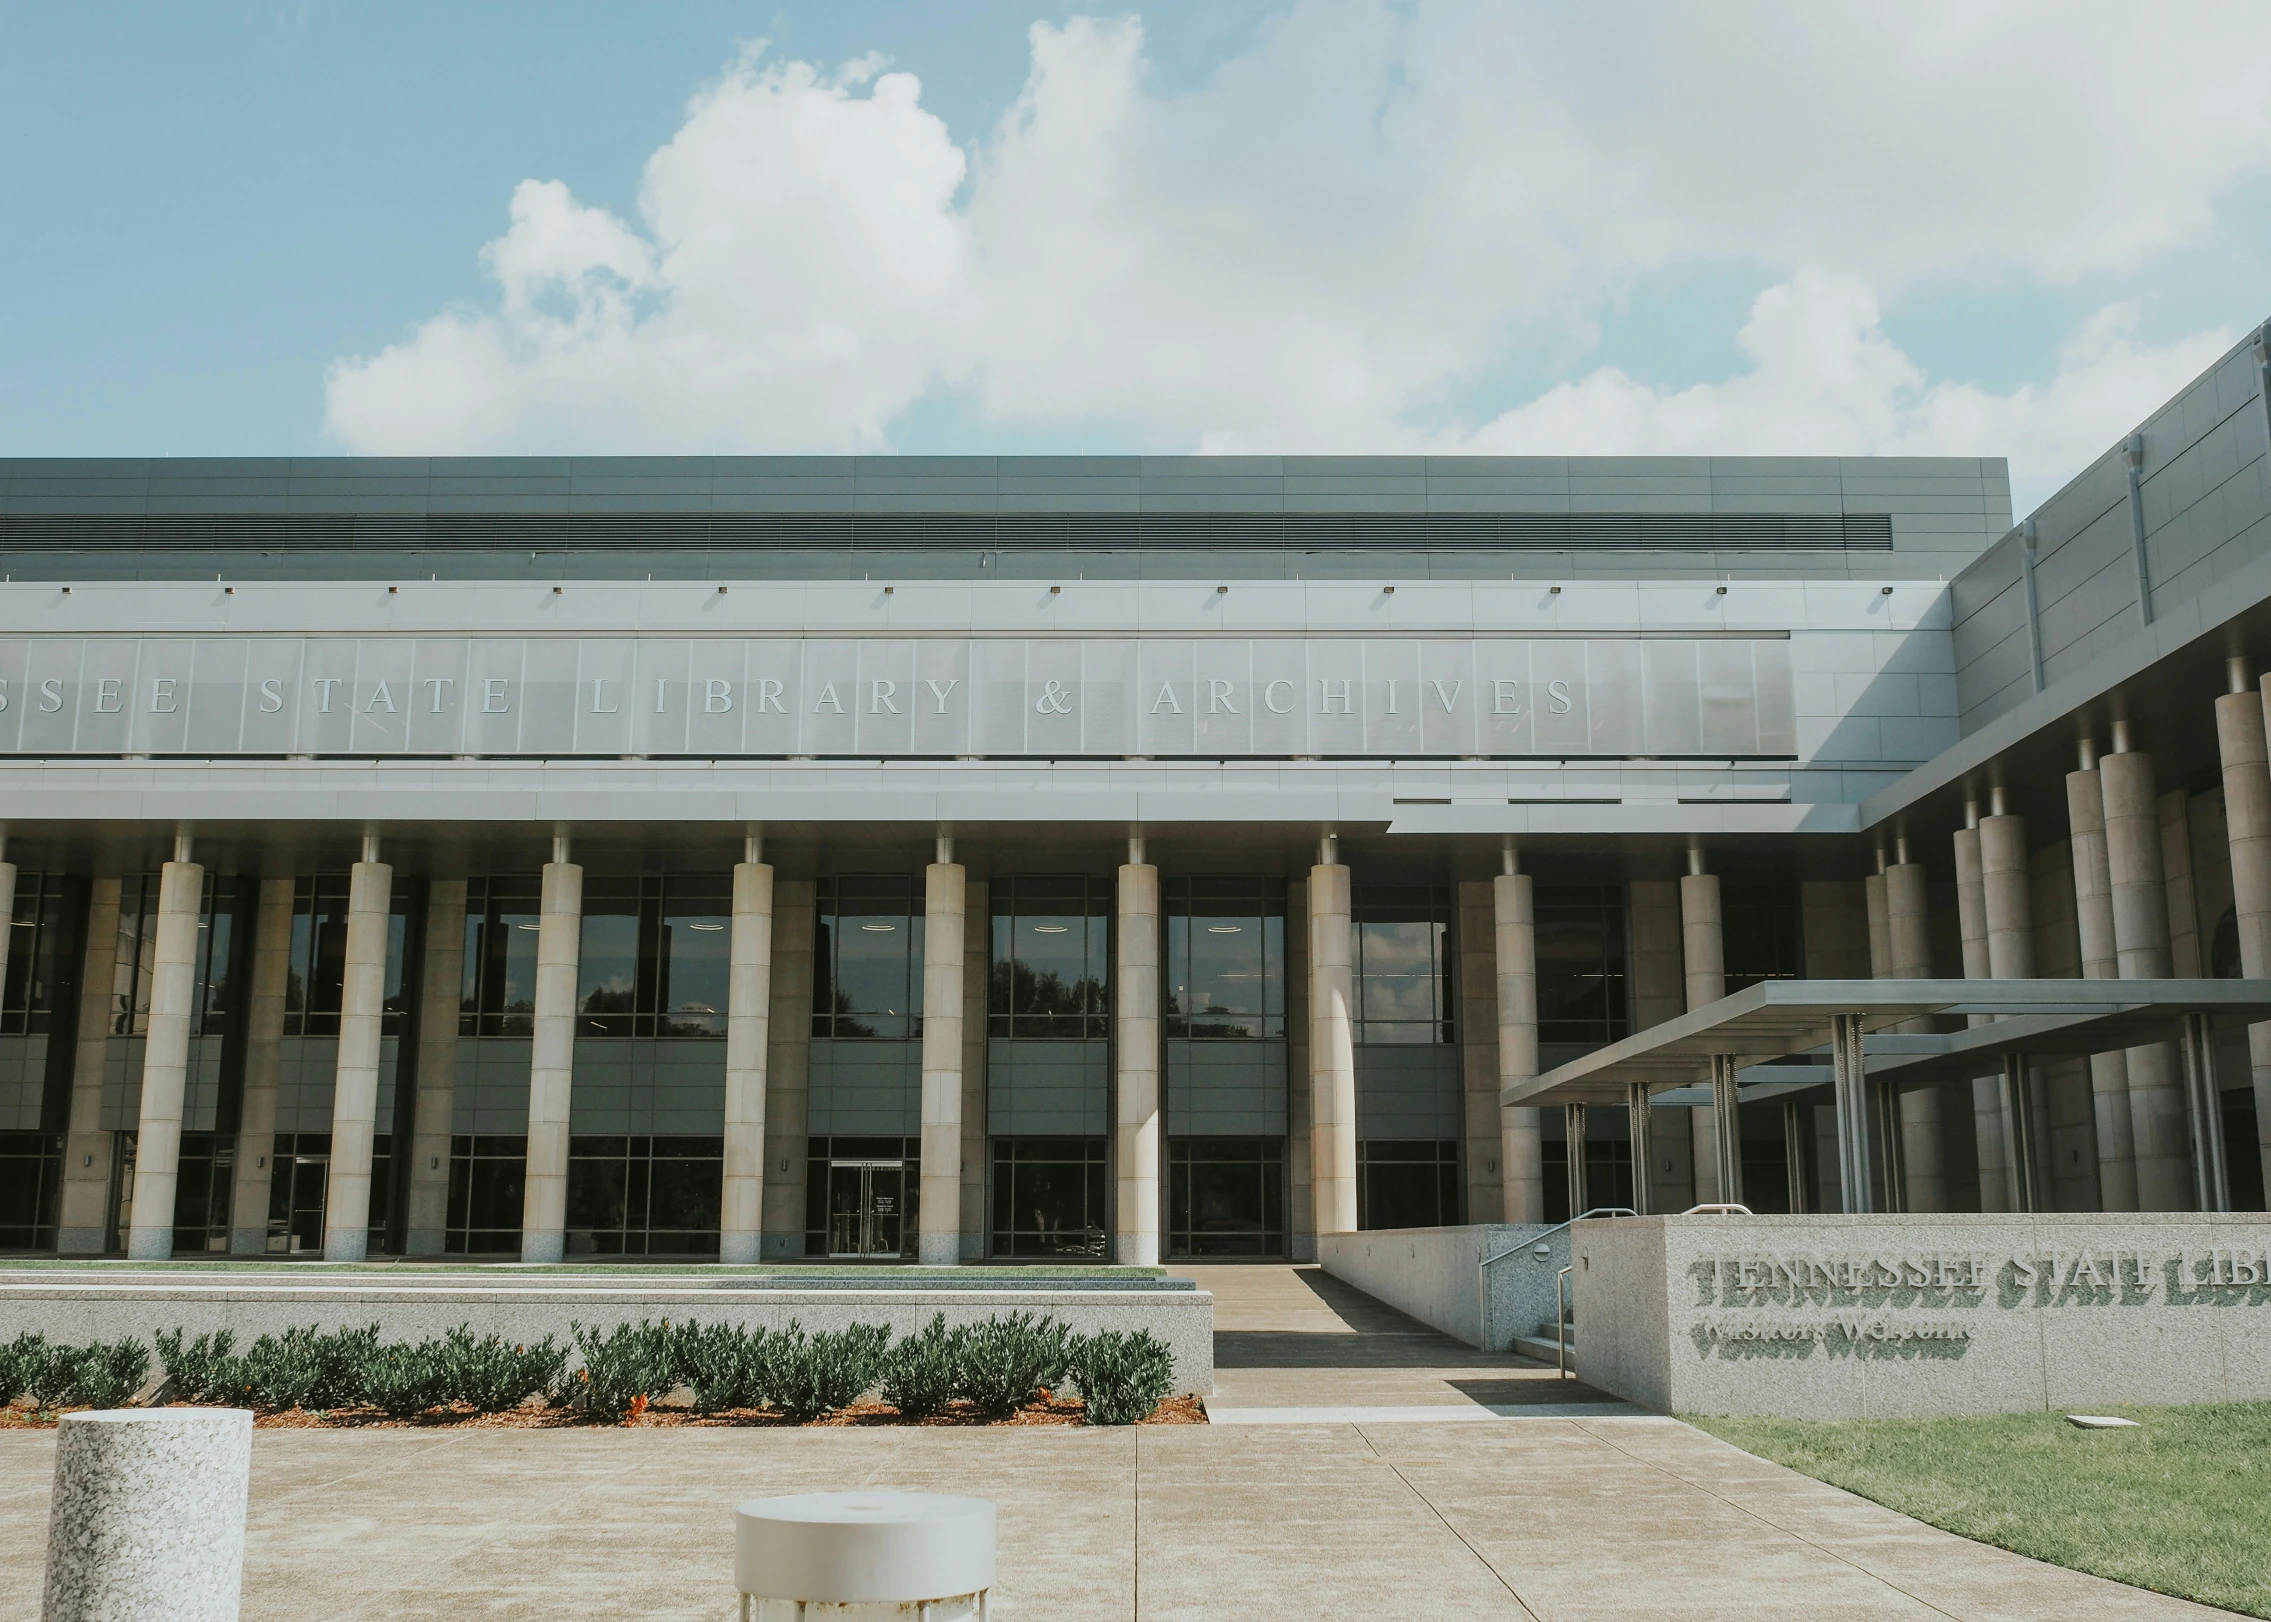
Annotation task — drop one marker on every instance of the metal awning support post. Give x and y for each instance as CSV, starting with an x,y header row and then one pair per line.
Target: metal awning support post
x,y
2204,1103
1573,1138
1641,1119
1849,1078
1726,1111
1797,1134
2026,1133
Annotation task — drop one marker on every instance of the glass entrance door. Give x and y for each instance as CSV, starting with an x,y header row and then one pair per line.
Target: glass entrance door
x,y
866,1207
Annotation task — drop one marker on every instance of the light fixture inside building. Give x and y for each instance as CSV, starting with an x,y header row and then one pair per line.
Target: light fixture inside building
x,y
705,927
1049,929
1222,929
879,929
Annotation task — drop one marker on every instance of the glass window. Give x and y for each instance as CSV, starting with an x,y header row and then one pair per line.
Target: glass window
x,y
862,1196
486,1178
1581,975
645,1196
1048,1197
654,957
499,997
1403,964
1051,957
37,938
867,976
1225,958
31,1182
135,966
1226,1197
1765,933
1407,1184
316,982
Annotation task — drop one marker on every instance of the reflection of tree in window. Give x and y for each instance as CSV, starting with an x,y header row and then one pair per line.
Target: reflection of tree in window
x,y
1764,933
1581,972
1051,946
501,928
1225,958
655,956
135,967
37,935
316,979
1403,970
867,960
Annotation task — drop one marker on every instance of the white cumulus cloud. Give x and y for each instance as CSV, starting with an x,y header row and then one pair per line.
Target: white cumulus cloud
x,y
1347,222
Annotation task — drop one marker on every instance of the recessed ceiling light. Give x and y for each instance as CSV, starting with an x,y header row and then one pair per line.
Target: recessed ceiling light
x,y
706,928
1049,929
879,929
1222,929
525,926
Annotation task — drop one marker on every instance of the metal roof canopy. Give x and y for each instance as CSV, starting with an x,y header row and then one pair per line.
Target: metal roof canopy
x,y
2030,1019
1778,1019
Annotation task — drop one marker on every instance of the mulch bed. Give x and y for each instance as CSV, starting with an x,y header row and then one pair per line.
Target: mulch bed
x,y
1050,1410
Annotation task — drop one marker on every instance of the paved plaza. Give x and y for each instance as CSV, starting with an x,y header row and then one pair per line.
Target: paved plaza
x,y
1318,1495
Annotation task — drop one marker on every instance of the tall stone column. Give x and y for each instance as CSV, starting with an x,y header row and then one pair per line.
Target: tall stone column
x,y
2141,941
1135,1033
748,1033
354,1094
165,1055
1703,952
1332,1044
2007,904
552,1058
2247,811
1908,938
1991,1142
788,1069
84,1217
2101,960
945,903
1521,1141
441,991
263,1060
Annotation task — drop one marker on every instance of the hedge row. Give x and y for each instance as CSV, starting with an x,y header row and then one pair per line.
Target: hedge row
x,y
996,1367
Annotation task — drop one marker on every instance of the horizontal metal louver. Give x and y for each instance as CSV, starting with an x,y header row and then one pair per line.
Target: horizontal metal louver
x,y
910,532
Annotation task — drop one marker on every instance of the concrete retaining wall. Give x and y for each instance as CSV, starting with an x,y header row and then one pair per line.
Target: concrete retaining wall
x,y
79,1307
1834,1317
1436,1275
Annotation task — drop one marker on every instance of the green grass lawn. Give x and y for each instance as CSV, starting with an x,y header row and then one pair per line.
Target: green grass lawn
x,y
2181,1505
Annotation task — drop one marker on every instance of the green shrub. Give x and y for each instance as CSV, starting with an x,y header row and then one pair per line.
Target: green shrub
x,y
1122,1377
206,1369
97,1375
922,1372
308,1369
628,1361
818,1374
727,1366
23,1365
492,1374
406,1378
1006,1361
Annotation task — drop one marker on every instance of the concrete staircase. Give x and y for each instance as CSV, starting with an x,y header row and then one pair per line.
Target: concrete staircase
x,y
1546,1344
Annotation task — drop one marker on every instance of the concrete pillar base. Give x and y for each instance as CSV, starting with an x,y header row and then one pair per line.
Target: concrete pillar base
x,y
544,1248
147,1517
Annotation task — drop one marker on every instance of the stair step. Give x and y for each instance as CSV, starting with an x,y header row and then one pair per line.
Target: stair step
x,y
1543,1348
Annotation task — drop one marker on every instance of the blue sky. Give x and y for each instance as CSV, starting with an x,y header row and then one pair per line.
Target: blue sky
x,y
1318,224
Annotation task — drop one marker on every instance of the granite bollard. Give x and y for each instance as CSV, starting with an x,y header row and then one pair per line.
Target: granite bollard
x,y
147,1516
864,1554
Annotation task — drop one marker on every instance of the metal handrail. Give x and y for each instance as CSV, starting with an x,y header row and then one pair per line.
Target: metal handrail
x,y
1560,1325
1482,1268
1718,1210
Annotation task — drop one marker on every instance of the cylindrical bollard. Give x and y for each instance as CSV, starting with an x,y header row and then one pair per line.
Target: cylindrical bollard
x,y
864,1554
147,1518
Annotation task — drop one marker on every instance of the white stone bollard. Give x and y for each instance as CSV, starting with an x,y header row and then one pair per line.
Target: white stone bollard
x,y
147,1518
863,1554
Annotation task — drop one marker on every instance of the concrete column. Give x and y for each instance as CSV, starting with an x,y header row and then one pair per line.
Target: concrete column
x,y
2247,812
146,1518
2007,905
1521,1143
441,992
788,1066
945,903
1924,1176
1880,922
354,1096
165,1056
84,1217
1703,953
1332,1046
1573,1158
1990,1140
2093,923
1300,1201
748,1032
2141,942
1135,1033
977,968
552,1059
263,1059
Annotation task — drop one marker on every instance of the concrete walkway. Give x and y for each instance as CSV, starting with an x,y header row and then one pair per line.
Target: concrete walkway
x,y
1535,1514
